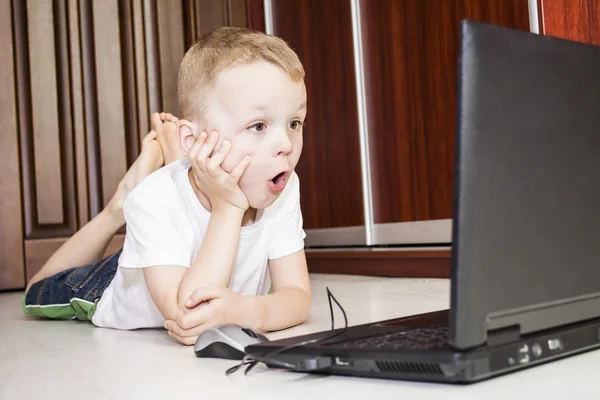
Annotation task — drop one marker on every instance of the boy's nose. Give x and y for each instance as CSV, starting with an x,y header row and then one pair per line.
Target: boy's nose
x,y
284,145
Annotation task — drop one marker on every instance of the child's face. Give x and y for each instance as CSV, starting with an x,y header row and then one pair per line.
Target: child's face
x,y
261,111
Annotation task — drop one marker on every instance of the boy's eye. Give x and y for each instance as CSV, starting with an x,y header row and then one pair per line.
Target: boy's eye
x,y
258,127
295,124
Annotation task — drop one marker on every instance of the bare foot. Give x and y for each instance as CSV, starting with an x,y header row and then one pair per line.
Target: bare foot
x,y
166,133
150,159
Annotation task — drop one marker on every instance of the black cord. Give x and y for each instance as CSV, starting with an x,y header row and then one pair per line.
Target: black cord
x,y
251,362
329,295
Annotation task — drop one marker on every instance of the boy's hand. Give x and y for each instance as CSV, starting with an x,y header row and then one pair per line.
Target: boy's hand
x,y
220,187
206,307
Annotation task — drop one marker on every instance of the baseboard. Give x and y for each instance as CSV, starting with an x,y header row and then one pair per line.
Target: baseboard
x,y
38,251
390,262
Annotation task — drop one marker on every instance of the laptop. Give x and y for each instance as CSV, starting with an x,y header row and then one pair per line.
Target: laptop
x,y
525,274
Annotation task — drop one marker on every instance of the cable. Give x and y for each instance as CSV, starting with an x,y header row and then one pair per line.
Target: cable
x,y
313,363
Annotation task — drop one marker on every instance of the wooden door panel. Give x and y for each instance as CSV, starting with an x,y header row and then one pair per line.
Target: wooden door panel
x,y
141,124
44,122
209,15
410,50
77,113
44,117
237,14
87,76
109,84
577,20
255,10
330,174
171,47
11,228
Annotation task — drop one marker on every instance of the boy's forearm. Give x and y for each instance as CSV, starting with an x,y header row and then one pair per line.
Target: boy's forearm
x,y
213,264
283,309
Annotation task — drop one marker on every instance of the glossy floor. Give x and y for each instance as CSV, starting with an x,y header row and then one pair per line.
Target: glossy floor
x,y
74,360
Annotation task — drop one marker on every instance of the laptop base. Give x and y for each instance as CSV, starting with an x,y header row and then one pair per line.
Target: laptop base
x,y
442,364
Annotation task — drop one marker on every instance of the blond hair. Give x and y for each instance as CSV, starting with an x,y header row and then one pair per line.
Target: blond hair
x,y
220,50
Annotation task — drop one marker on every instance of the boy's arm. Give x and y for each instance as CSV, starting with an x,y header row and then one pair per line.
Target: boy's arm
x,y
213,264
288,305
171,286
290,302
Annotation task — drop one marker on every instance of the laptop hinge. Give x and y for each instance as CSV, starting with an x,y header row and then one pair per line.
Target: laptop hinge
x,y
503,335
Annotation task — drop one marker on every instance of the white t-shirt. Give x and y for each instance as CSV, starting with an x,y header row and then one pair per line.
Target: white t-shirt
x,y
165,226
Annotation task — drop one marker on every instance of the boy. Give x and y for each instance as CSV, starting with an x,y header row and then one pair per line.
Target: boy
x,y
206,232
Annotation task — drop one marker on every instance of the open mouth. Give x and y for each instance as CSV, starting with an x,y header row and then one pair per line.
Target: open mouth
x,y
277,184
277,177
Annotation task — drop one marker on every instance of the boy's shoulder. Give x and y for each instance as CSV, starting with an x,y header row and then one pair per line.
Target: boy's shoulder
x,y
161,186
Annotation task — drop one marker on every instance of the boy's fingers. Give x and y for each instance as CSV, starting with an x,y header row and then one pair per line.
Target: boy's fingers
x,y
197,146
188,341
179,331
239,170
207,149
201,295
200,315
214,163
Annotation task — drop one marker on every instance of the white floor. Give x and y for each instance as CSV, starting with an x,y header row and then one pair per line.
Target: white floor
x,y
48,359
75,360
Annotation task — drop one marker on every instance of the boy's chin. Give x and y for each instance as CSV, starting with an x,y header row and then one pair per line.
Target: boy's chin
x,y
261,202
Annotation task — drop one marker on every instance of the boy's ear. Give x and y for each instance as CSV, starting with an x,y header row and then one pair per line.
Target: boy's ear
x,y
187,132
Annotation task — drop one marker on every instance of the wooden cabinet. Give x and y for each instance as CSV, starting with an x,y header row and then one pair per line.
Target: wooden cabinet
x,y
330,171
12,271
410,49
86,77
410,52
83,76
392,64
577,20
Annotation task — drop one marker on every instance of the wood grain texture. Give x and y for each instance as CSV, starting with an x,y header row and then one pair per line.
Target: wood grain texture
x,y
397,263
90,108
171,50
21,61
45,129
153,72
12,268
143,112
38,251
65,119
188,11
109,84
45,133
577,20
236,13
329,168
128,72
410,48
203,16
77,114
256,14
210,15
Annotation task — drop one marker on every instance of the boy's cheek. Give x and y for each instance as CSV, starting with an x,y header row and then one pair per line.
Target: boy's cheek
x,y
233,159
239,149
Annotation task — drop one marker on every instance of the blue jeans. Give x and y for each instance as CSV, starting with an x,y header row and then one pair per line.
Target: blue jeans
x,y
73,293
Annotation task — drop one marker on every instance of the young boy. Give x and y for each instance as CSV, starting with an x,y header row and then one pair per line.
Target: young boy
x,y
210,233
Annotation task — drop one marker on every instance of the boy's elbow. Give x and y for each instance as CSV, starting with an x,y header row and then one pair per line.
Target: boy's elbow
x,y
170,307
306,306
182,296
163,284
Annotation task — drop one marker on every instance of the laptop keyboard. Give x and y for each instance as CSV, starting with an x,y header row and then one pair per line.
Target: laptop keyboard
x,y
416,339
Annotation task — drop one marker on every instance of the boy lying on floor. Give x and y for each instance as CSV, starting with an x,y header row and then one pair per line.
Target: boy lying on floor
x,y
214,228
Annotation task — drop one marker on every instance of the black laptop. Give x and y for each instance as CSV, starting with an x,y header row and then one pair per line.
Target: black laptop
x,y
526,229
